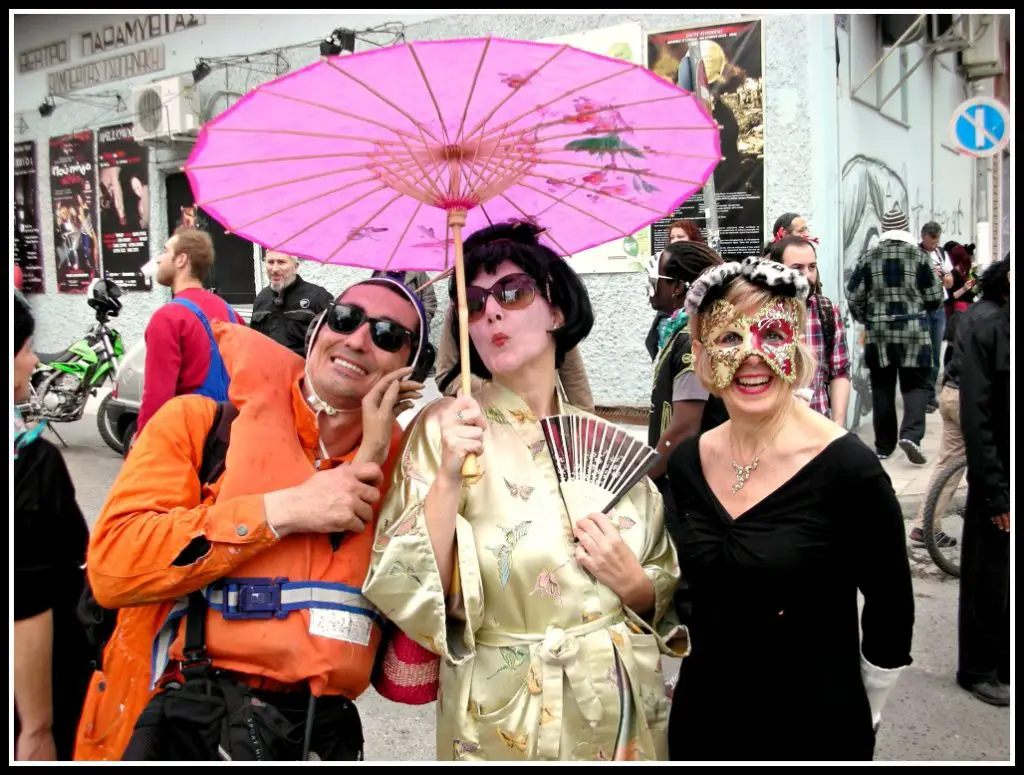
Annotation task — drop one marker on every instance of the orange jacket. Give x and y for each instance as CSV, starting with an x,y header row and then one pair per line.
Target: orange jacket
x,y
157,508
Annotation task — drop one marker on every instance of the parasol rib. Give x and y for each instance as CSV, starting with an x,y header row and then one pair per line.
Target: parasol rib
x,y
532,219
483,122
527,173
290,205
391,129
331,214
430,91
562,96
353,232
246,162
295,133
593,113
631,130
484,211
437,186
472,89
387,264
630,171
593,217
385,100
280,183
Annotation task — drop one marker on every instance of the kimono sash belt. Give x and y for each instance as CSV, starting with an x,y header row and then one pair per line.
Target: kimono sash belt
x,y
556,652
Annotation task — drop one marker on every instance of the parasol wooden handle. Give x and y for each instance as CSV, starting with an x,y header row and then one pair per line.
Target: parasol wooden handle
x,y
456,220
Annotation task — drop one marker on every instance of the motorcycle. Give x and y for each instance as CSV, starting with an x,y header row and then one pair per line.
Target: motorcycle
x,y
63,382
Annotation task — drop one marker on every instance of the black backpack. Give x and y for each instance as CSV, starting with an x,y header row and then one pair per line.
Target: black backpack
x,y
99,622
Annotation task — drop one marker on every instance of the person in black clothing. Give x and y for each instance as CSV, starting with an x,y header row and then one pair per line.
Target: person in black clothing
x,y
285,308
51,655
983,349
765,503
681,230
680,405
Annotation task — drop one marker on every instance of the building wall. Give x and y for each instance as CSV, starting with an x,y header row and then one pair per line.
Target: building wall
x,y
617,362
901,154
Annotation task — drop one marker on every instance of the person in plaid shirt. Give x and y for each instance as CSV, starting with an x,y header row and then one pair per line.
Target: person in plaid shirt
x,y
826,337
891,291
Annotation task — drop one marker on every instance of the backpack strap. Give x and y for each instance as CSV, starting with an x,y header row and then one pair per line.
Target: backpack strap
x,y
215,449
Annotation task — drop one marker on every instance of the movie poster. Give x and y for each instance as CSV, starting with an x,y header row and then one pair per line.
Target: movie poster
x,y
73,193
728,74
124,206
28,249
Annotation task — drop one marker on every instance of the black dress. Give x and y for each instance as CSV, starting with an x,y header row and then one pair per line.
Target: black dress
x,y
50,541
774,670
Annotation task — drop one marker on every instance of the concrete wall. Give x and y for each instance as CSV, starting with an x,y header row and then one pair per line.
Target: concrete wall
x,y
618,364
899,154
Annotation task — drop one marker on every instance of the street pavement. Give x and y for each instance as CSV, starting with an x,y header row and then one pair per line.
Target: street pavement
x,y
928,717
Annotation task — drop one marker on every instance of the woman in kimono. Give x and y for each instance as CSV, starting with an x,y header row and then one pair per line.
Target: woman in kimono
x,y
550,625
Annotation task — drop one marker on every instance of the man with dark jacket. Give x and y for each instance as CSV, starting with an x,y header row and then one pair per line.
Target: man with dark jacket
x,y
285,308
891,291
983,349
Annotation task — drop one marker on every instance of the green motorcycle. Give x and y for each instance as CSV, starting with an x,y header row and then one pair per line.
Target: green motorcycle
x,y
63,382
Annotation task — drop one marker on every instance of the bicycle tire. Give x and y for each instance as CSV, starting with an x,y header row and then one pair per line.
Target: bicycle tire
x,y
928,526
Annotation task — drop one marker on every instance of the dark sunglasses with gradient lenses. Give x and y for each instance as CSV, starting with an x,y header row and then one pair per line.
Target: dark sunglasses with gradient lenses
x,y
385,334
515,291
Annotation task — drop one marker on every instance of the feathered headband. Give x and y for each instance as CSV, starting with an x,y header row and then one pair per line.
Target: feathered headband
x,y
768,274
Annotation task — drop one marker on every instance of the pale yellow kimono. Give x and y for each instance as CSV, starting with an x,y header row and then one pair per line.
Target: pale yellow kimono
x,y
530,651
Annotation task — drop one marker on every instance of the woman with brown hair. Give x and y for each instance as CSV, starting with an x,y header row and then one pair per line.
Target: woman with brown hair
x,y
766,503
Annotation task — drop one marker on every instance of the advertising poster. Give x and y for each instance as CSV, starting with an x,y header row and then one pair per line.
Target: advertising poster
x,y
27,245
73,193
124,206
722,63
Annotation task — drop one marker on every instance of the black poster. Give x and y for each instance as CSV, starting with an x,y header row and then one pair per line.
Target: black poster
x,y
73,192
124,206
729,76
233,278
28,249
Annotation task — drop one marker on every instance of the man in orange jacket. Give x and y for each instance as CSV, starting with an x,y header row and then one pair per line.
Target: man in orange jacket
x,y
309,459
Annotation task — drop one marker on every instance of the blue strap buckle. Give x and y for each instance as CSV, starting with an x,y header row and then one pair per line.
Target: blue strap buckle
x,y
256,598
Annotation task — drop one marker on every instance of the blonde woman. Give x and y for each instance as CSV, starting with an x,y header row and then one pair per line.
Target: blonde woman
x,y
783,518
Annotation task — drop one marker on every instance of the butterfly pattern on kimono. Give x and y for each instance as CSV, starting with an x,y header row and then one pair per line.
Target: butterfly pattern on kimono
x,y
503,551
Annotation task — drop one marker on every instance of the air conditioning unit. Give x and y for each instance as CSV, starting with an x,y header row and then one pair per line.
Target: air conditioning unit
x,y
983,59
166,109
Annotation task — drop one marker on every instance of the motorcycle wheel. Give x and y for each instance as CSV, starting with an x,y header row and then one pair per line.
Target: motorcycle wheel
x,y
107,432
129,437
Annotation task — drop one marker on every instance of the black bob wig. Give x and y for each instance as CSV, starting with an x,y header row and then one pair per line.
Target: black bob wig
x,y
517,242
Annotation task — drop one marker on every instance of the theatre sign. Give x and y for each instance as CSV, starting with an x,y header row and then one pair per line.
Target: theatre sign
x,y
151,58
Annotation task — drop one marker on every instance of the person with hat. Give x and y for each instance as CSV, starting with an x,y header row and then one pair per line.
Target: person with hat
x,y
891,291
249,587
51,657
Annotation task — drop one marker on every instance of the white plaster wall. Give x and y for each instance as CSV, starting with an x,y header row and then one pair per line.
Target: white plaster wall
x,y
617,362
911,163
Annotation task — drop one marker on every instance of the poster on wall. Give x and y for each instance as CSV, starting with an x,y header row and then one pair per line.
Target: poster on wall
x,y
730,73
28,251
625,42
124,206
73,193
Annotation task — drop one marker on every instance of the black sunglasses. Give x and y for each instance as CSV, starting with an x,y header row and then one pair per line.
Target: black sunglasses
x,y
385,334
515,291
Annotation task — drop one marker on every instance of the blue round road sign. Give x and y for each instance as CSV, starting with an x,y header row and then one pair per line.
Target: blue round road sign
x,y
981,127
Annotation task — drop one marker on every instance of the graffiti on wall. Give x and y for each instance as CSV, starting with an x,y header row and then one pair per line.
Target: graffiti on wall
x,y
951,218
869,188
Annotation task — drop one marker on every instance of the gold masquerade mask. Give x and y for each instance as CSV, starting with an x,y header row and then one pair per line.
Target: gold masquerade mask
x,y
771,334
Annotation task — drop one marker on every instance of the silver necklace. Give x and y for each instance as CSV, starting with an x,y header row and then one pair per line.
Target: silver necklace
x,y
743,472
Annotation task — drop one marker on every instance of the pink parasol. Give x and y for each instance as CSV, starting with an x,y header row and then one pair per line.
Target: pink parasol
x,y
379,159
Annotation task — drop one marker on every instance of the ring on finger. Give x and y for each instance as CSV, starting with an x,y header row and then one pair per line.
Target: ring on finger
x,y
458,414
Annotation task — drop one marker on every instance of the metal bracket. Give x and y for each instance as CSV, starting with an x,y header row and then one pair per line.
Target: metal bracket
x,y
940,44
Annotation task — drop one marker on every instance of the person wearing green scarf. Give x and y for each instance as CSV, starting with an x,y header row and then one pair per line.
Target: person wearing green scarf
x,y
51,654
680,406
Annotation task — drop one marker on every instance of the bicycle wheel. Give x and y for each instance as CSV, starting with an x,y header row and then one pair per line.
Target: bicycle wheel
x,y
945,543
